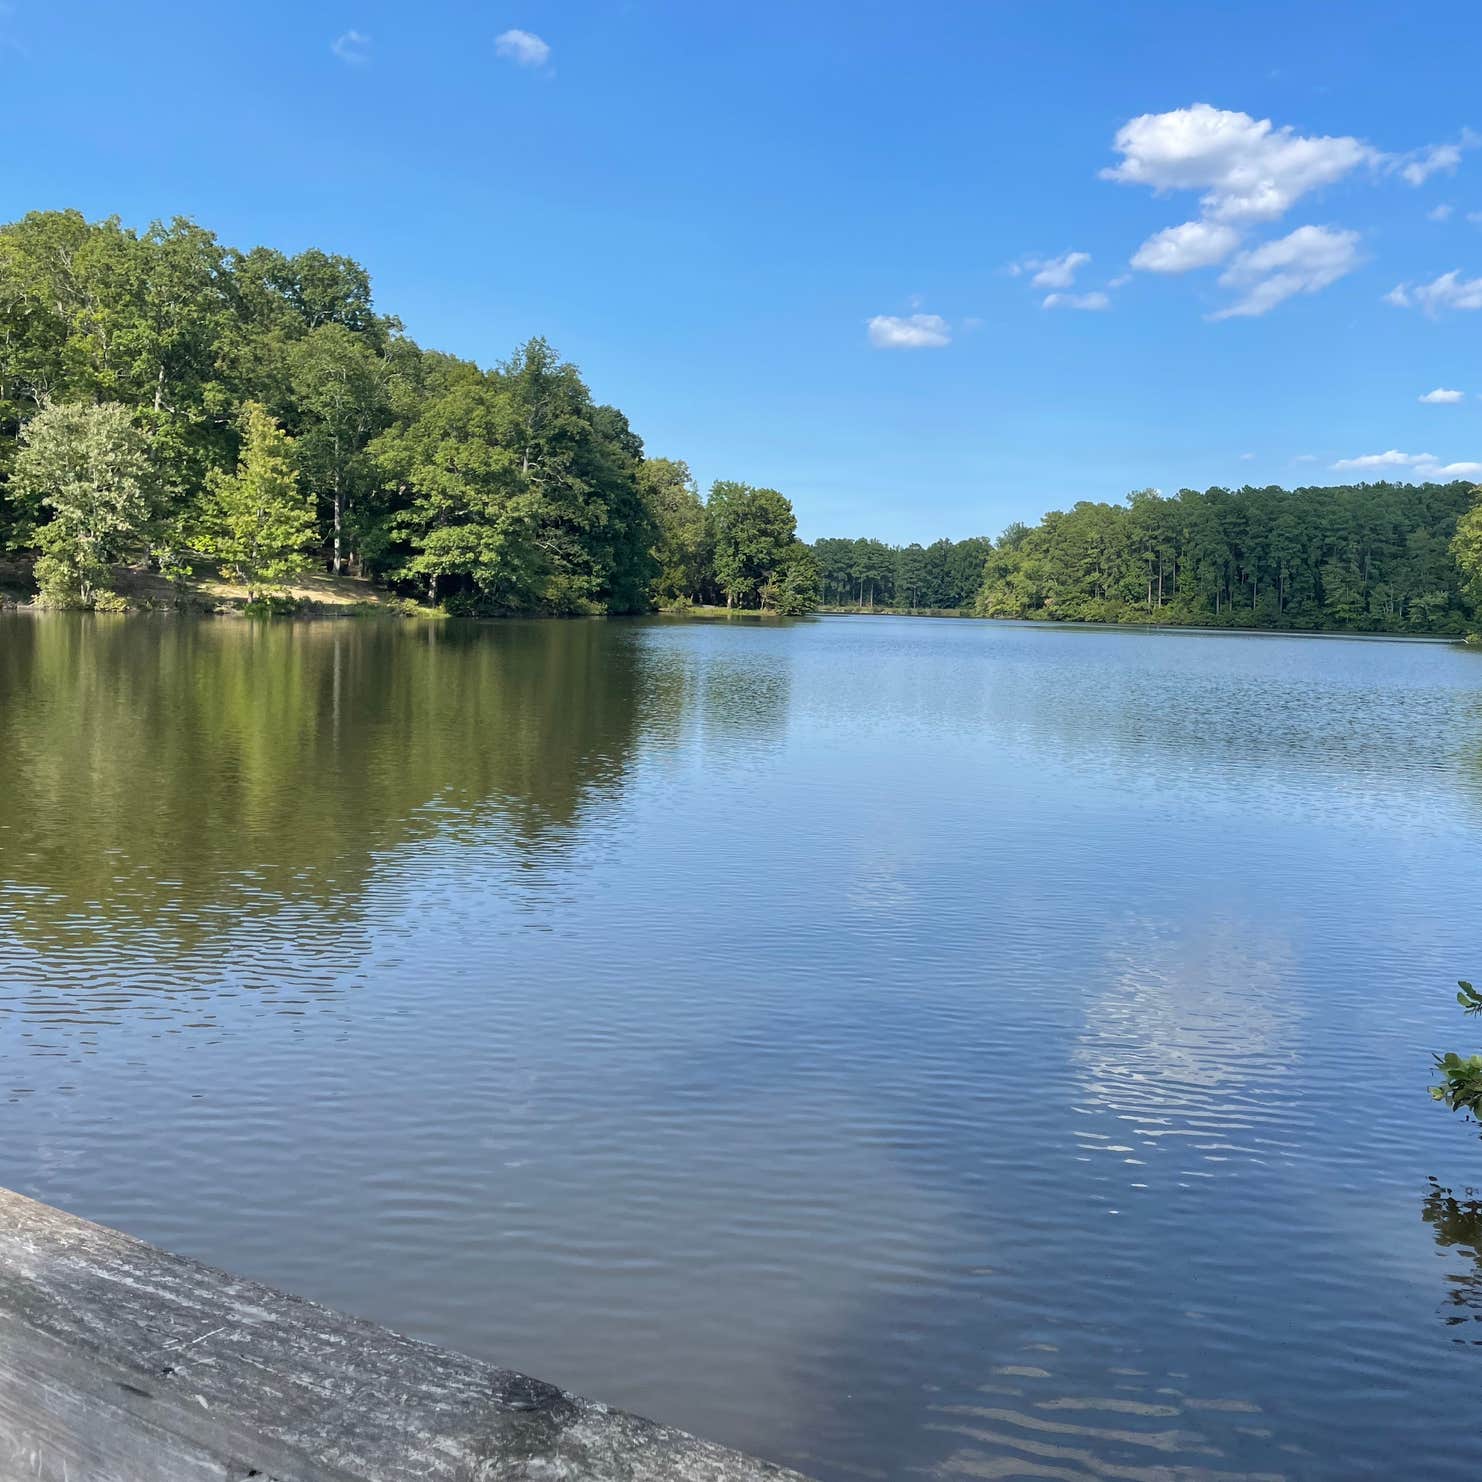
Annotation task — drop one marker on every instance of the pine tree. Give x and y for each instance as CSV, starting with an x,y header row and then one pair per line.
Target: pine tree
x,y
260,523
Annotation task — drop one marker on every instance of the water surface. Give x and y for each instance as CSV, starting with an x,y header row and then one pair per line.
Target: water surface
x,y
902,1048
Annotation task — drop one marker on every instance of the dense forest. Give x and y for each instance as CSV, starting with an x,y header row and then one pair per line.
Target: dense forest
x,y
1374,557
166,400
171,403
869,573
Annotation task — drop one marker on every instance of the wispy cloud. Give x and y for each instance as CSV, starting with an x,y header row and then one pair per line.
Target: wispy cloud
x,y
524,48
1449,291
1442,396
1303,261
1419,165
352,47
1424,466
1094,300
1441,212
1055,272
909,332
1058,274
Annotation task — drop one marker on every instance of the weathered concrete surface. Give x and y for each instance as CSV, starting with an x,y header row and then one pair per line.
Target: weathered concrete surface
x,y
122,1363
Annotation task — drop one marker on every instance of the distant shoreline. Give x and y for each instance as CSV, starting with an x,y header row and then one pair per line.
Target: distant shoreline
x,y
1082,624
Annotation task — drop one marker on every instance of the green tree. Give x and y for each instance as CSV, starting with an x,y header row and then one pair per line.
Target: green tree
x,y
754,531
681,547
259,522
340,396
873,569
1466,547
467,515
834,557
795,586
89,466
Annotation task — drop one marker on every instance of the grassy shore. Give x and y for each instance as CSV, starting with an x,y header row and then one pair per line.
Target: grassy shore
x,y
205,590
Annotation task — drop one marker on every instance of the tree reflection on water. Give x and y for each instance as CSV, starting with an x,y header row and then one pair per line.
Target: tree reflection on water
x,y
1457,1224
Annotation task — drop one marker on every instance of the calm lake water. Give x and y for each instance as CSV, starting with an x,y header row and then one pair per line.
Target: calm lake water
x,y
897,1047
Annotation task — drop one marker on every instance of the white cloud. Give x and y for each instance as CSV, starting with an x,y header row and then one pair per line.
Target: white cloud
x,y
1392,459
1419,165
1195,244
1475,217
909,332
1442,397
1248,169
524,48
1425,466
1057,272
1449,291
1095,300
1303,261
1441,212
352,47
1247,457
1305,458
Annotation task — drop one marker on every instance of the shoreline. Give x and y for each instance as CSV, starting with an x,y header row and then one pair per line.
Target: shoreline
x,y
1086,626
321,596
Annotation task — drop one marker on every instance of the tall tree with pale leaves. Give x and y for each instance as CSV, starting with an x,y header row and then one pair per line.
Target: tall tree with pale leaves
x,y
89,466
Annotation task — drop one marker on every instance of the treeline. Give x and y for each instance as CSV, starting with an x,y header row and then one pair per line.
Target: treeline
x,y
1369,557
869,573
1372,557
165,399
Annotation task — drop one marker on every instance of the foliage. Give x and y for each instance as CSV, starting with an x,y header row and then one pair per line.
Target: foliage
x,y
795,588
753,532
259,521
681,549
1461,1078
512,486
89,467
869,573
1373,557
1466,547
340,401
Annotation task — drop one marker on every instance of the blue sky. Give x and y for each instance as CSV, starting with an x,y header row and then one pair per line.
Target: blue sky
x,y
706,206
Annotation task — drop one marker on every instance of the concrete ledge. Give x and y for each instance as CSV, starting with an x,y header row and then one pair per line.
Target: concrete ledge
x,y
120,1363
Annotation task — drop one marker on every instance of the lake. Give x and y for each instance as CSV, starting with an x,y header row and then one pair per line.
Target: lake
x,y
898,1047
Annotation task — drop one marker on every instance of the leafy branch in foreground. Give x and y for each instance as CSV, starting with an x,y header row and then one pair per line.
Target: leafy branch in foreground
x,y
1461,1078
